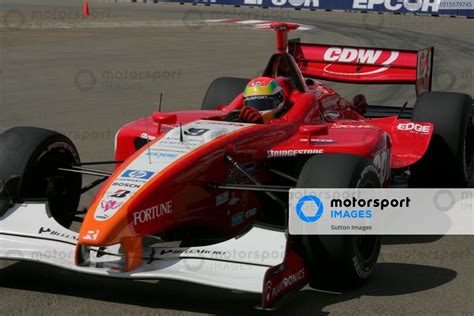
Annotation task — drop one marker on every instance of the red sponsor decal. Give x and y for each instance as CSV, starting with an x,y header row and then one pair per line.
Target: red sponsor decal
x,y
151,213
284,279
108,205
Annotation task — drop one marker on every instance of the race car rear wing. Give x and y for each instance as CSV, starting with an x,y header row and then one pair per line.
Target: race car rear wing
x,y
364,65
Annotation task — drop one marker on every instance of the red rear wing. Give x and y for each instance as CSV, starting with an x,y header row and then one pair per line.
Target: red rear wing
x,y
365,65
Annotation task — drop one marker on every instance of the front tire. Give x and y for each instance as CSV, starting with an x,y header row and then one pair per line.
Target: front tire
x,y
339,262
35,154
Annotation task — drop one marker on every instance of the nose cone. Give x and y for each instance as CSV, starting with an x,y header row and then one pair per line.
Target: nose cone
x,y
107,220
140,197
105,224
129,205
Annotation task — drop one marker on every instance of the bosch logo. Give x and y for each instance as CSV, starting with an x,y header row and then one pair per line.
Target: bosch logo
x,y
309,208
126,185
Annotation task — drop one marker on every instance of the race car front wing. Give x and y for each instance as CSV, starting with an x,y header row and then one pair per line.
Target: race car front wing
x,y
258,261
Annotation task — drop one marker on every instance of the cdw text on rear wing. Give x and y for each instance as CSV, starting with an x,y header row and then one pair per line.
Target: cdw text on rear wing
x,y
364,64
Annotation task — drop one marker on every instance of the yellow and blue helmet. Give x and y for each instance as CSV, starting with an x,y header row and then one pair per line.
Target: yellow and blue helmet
x,y
264,94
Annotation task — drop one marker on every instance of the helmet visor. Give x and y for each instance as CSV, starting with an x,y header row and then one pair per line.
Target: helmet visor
x,y
262,102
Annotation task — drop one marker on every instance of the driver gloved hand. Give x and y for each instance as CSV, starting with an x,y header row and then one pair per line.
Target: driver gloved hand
x,y
250,115
359,102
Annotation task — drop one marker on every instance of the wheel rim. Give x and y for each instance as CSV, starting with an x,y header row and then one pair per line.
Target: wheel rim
x,y
366,244
366,248
43,180
49,182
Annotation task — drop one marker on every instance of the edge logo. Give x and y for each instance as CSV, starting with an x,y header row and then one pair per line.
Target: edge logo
x,y
316,203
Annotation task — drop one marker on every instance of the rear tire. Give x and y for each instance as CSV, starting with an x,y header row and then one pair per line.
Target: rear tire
x,y
35,154
448,161
339,262
223,91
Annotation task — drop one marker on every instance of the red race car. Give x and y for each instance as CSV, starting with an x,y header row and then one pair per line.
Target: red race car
x,y
217,179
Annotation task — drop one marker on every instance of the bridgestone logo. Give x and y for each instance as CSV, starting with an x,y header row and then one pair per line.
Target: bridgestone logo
x,y
293,152
152,213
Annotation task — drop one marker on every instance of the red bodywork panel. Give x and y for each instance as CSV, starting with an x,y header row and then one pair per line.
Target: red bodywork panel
x,y
410,140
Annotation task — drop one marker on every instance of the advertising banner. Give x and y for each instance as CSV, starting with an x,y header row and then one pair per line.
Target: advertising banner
x,y
432,7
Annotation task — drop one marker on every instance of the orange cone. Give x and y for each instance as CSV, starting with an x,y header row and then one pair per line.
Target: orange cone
x,y
85,11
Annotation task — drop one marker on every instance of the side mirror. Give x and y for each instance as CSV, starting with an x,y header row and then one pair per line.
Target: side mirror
x,y
164,118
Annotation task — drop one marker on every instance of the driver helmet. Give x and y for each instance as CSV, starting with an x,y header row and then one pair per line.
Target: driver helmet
x,y
265,95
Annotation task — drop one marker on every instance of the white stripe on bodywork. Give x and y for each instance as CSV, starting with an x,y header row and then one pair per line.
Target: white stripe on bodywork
x,y
159,156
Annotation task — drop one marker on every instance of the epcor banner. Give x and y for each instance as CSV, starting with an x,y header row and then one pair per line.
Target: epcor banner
x,y
441,7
